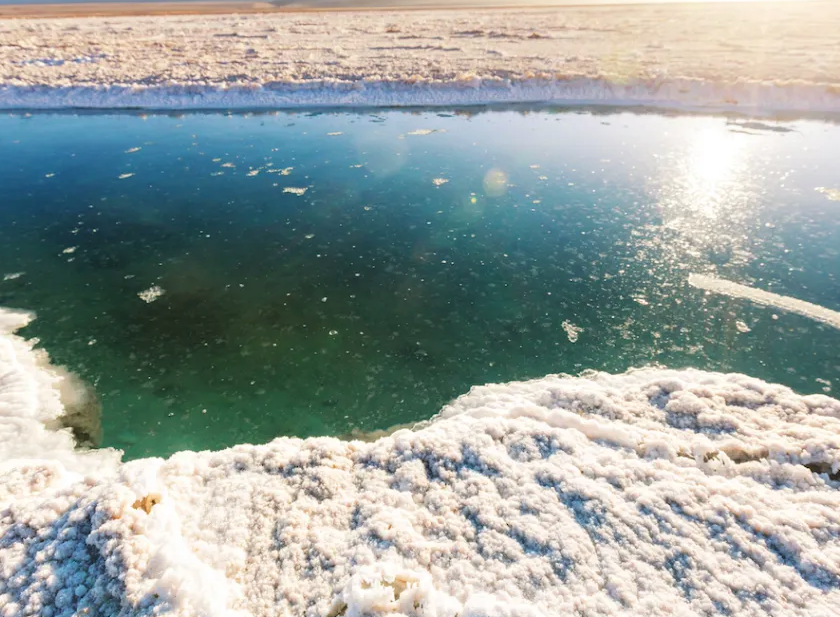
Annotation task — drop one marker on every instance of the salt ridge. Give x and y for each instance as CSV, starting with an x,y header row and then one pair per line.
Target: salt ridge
x,y
654,492
766,298
674,93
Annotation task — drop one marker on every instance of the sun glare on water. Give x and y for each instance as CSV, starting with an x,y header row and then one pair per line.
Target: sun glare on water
x,y
710,202
715,158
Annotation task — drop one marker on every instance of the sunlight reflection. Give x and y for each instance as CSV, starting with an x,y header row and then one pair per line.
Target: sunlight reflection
x,y
709,201
710,171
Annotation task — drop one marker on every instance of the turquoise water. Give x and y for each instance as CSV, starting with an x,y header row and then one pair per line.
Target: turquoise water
x,y
560,241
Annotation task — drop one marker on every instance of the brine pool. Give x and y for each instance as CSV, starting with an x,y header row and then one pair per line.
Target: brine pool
x,y
226,278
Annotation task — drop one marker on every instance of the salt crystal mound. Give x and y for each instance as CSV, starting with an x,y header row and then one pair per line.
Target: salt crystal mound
x,y
654,492
733,57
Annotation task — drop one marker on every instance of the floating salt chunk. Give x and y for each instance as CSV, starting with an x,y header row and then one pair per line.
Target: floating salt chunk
x,y
765,298
425,131
335,134
439,181
832,194
284,171
132,150
228,165
70,250
151,294
295,190
12,276
49,175
742,327
254,172
572,331
124,176
309,236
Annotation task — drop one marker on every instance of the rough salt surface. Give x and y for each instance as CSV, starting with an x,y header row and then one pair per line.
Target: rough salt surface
x,y
654,492
729,55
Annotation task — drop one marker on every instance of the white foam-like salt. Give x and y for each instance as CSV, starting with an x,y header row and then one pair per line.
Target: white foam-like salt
x,y
33,398
654,492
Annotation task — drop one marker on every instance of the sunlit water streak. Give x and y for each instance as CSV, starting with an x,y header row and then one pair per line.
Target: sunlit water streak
x,y
229,278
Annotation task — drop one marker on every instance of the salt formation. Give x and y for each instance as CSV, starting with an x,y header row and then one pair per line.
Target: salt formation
x,y
766,298
151,294
653,493
41,406
832,194
781,57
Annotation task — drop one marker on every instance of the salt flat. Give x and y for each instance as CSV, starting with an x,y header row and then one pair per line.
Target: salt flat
x,y
775,56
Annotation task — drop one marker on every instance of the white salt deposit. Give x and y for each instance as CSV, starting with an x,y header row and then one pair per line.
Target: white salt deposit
x,y
151,294
34,396
572,331
733,56
282,171
653,493
832,194
766,298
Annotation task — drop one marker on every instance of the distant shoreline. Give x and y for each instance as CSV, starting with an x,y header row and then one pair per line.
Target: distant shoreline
x,y
150,8
134,9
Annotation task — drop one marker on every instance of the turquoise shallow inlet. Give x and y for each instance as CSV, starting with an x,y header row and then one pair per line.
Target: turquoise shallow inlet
x,y
224,278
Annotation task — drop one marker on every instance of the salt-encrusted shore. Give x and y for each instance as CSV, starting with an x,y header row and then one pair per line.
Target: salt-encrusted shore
x,y
655,492
767,57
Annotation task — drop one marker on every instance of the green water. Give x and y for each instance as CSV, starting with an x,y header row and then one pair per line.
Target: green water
x,y
560,241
